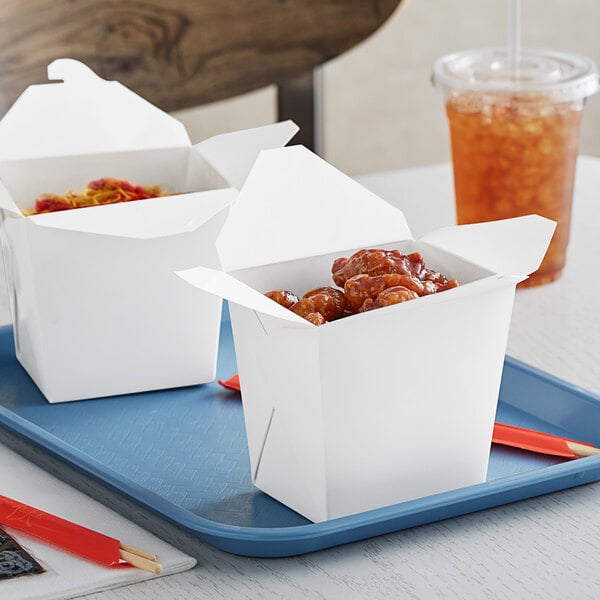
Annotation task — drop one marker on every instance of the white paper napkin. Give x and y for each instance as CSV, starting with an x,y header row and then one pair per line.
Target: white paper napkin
x,y
68,576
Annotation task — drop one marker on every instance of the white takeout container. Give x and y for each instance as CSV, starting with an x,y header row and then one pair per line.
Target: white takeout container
x,y
95,305
380,407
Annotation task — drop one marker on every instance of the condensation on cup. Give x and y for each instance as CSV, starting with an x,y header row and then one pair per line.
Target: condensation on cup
x,y
514,134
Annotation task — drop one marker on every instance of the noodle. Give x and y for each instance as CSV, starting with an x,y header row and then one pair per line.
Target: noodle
x,y
100,191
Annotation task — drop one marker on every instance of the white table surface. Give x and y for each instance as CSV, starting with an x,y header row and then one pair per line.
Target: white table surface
x,y
546,547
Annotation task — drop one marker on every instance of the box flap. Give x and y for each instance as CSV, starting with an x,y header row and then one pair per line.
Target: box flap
x,y
228,287
295,205
233,154
510,246
83,114
143,219
6,201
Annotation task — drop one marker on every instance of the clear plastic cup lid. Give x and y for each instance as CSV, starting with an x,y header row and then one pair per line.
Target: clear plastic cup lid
x,y
563,75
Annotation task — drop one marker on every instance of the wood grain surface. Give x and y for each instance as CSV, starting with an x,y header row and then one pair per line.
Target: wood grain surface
x,y
180,53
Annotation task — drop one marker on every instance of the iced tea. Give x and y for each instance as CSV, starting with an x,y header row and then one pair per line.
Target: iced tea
x,y
515,155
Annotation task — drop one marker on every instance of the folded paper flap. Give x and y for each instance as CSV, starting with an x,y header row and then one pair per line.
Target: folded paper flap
x,y
295,205
70,70
233,154
6,201
228,287
143,219
510,246
84,114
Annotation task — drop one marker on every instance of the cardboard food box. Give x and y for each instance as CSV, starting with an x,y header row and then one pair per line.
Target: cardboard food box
x,y
380,407
95,305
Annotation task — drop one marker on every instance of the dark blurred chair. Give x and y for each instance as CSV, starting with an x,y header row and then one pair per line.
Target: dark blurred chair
x,y
187,53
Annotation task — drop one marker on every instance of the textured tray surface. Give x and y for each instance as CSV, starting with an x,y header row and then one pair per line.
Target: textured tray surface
x,y
183,454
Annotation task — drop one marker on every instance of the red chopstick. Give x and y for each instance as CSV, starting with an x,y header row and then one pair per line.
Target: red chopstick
x,y
539,441
81,541
233,383
509,435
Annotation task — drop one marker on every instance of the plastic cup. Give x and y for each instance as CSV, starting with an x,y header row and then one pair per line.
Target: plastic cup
x,y
515,136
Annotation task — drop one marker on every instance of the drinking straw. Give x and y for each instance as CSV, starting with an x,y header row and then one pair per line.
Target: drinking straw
x,y
514,37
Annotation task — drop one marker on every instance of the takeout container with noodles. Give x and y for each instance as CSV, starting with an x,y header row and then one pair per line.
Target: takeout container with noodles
x,y
95,305
379,407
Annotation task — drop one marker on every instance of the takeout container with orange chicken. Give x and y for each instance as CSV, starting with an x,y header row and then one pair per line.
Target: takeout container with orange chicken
x,y
95,305
382,406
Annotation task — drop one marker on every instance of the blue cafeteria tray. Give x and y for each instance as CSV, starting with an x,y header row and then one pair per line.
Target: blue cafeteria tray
x,y
182,454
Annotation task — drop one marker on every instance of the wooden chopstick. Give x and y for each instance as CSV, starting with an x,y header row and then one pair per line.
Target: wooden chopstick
x,y
582,450
141,562
139,552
